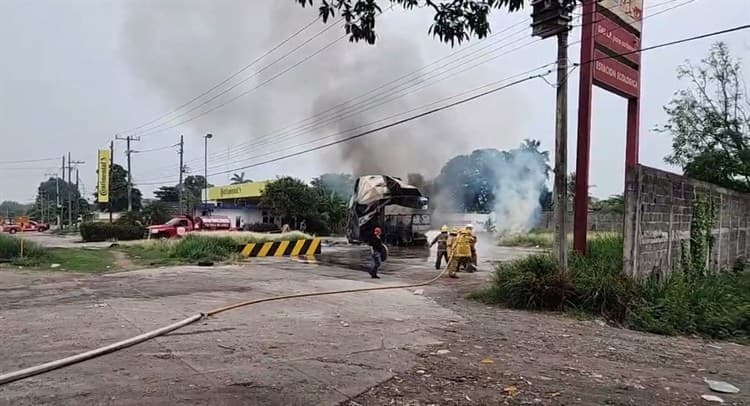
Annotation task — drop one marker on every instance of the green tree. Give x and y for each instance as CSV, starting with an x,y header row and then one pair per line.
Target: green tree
x,y
47,197
10,209
453,22
156,213
118,192
709,121
472,182
291,199
339,183
193,188
237,179
167,194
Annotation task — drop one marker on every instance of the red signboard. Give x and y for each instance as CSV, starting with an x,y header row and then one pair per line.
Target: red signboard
x,y
615,76
614,37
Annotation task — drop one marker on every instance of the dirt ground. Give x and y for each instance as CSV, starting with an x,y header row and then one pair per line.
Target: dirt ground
x,y
397,347
498,356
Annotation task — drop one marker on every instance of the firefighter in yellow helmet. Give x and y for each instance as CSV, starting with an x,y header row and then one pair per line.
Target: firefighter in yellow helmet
x,y
461,252
442,251
473,266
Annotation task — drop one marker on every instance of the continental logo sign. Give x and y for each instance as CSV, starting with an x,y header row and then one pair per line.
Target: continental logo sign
x,y
103,168
307,248
244,190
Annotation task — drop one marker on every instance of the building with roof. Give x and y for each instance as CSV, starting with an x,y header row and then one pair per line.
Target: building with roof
x,y
240,202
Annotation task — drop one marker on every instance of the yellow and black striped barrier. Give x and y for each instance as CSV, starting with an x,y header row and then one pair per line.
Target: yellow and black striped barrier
x,y
308,247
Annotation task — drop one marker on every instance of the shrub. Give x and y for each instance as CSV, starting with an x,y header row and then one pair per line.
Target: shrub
x,y
203,248
601,286
534,282
10,248
92,232
262,228
317,226
712,305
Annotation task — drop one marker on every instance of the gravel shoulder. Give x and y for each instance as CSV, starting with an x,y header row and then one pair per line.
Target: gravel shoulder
x,y
498,356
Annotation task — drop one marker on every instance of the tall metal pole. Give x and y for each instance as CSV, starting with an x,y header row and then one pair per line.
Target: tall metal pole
x,y
59,199
70,192
130,179
111,162
205,167
128,151
560,246
78,201
182,169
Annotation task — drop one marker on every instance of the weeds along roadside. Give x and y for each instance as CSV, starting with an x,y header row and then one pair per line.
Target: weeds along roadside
x,y
713,305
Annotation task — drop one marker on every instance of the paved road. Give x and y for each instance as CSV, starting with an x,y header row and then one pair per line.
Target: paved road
x,y
303,351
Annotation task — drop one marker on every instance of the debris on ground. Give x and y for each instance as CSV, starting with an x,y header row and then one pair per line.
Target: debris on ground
x,y
721,386
419,292
712,398
443,352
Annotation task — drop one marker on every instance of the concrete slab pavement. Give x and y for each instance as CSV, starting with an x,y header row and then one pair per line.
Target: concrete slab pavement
x,y
319,350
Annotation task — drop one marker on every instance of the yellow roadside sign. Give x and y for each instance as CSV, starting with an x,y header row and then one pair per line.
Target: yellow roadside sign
x,y
105,161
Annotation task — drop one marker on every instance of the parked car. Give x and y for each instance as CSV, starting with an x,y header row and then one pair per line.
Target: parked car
x,y
180,225
31,226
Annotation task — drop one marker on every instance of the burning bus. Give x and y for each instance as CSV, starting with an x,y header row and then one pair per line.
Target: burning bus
x,y
399,209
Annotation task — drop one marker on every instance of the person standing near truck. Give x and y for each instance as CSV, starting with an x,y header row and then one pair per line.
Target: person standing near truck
x,y
378,252
442,250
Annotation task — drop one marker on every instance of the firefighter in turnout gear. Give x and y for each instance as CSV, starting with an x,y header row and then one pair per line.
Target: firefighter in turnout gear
x,y
442,250
461,253
473,266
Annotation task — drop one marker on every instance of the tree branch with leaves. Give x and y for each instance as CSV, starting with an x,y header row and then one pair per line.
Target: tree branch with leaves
x,y
709,121
454,21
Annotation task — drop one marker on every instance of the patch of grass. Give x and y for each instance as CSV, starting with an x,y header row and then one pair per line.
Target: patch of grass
x,y
543,239
713,305
79,259
10,248
153,253
201,246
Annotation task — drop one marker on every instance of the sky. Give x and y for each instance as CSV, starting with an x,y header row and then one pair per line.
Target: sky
x,y
76,72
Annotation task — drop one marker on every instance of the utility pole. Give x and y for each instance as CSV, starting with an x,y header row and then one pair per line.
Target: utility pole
x,y
182,170
70,182
78,201
552,18
128,152
561,154
59,200
111,164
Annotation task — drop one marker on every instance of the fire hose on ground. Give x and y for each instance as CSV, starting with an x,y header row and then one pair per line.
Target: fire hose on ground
x,y
84,356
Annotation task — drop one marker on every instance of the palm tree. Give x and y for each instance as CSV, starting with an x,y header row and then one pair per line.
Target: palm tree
x,y
237,179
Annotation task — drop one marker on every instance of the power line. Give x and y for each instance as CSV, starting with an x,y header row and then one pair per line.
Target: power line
x,y
243,146
374,130
229,78
23,161
285,133
477,96
574,66
156,129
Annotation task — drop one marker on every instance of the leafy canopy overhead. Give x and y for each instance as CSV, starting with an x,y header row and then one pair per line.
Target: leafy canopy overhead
x,y
453,21
709,121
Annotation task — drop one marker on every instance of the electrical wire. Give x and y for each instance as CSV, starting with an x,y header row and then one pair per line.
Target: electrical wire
x,y
285,134
474,97
23,161
421,115
226,80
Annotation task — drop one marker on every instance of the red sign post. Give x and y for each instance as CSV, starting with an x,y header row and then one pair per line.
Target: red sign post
x,y
611,39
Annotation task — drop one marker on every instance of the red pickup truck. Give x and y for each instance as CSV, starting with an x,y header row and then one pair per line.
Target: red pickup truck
x,y
181,225
31,226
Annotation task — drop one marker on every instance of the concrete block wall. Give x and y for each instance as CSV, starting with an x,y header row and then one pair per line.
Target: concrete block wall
x,y
658,216
597,221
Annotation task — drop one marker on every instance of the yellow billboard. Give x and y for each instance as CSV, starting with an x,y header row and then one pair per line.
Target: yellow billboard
x,y
105,161
240,191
